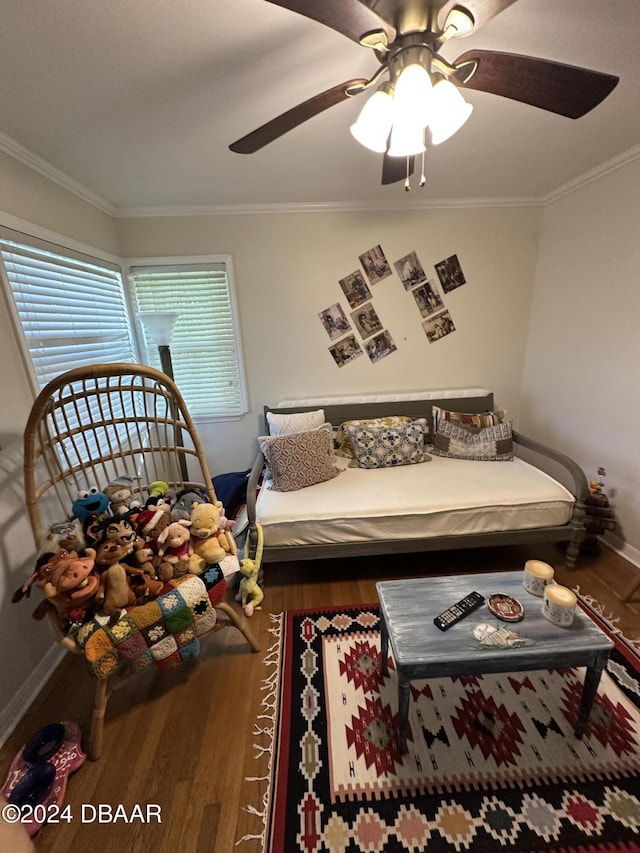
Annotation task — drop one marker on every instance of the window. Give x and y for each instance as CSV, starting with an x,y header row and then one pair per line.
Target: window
x,y
205,345
71,307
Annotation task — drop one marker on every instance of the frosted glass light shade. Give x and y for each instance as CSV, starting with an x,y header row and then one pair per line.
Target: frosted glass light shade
x,y
406,139
412,97
372,126
449,111
159,325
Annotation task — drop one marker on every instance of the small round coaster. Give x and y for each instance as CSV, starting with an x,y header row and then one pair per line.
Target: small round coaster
x,y
505,607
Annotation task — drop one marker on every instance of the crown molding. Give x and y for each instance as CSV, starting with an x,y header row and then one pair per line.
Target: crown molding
x,y
322,207
9,146
14,149
587,178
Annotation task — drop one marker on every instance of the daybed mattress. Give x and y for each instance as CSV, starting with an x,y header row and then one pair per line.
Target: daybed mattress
x,y
436,498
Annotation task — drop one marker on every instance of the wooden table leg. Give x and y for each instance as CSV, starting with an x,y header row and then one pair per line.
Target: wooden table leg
x,y
384,648
589,690
403,711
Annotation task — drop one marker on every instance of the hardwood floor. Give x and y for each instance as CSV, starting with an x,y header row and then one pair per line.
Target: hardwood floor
x,y
184,740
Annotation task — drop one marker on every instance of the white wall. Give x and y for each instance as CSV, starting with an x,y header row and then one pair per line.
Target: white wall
x,y
24,643
287,270
581,385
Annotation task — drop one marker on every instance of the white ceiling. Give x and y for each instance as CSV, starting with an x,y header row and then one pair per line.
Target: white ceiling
x,y
138,100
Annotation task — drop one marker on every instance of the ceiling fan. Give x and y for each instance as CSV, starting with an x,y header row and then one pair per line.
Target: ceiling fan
x,y
407,34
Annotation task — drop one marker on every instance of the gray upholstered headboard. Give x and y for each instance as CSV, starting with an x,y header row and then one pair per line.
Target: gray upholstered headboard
x,y
370,406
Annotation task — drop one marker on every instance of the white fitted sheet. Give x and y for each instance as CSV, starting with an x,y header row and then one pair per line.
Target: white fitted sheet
x,y
436,498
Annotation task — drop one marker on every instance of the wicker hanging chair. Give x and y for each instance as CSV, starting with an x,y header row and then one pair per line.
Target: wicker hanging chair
x,y
96,423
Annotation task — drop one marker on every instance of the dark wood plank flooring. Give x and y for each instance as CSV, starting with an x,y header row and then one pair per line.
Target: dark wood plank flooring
x,y
184,740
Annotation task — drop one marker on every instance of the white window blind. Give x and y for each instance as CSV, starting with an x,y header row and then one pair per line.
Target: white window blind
x,y
205,351
71,307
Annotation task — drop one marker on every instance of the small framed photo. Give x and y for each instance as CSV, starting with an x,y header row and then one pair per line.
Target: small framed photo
x,y
366,320
380,346
410,271
438,327
450,273
427,298
346,350
355,289
375,265
334,321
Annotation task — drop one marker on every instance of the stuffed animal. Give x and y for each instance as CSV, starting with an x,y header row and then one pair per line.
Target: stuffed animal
x,y
158,492
114,591
64,534
185,502
250,594
121,499
90,502
175,541
71,582
120,529
208,541
150,523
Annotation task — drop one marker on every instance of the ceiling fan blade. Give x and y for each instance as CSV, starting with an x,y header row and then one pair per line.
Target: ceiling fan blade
x,y
395,169
564,89
266,133
482,11
351,18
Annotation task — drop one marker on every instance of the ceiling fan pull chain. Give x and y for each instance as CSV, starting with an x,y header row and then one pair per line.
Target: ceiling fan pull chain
x,y
423,179
407,182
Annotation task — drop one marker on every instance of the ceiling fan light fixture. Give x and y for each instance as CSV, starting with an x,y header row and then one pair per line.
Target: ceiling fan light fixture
x,y
459,22
407,138
449,111
412,96
373,125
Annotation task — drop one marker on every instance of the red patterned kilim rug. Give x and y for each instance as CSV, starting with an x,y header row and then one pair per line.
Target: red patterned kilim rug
x,y
493,763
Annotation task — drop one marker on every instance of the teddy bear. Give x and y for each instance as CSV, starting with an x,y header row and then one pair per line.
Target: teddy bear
x,y
175,548
209,543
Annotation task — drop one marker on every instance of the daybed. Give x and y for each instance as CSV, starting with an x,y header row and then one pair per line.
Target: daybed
x,y
442,503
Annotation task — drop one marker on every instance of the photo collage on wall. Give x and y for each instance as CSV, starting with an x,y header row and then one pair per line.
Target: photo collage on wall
x,y
437,322
373,338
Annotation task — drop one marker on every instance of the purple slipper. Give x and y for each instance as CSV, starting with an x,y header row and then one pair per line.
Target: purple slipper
x,y
39,772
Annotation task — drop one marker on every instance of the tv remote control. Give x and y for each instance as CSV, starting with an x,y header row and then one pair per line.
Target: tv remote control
x,y
458,611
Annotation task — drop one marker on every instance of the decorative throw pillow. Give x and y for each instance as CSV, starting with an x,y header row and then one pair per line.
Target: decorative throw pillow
x,y
475,420
343,439
388,446
286,424
489,444
300,459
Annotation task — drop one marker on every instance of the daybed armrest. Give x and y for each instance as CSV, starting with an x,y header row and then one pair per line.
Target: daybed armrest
x,y
550,461
252,494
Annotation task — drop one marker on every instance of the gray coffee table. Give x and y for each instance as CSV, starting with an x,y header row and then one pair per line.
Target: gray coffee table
x,y
421,651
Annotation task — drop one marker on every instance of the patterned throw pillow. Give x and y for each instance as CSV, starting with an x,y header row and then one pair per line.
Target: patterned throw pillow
x,y
343,439
490,444
388,446
476,420
286,424
300,459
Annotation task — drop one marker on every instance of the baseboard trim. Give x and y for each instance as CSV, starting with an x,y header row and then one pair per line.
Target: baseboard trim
x,y
623,548
12,713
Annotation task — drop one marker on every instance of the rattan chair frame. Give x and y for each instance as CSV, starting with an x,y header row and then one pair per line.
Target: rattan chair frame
x,y
90,425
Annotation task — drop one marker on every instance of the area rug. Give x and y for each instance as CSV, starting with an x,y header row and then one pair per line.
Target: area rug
x,y
492,763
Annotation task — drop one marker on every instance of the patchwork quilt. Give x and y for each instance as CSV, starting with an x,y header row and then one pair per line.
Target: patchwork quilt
x,y
163,633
